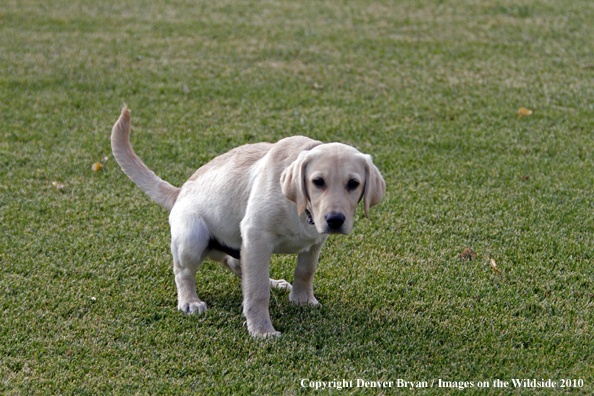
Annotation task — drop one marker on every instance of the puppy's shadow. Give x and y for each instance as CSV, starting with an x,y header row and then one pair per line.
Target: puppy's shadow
x,y
334,320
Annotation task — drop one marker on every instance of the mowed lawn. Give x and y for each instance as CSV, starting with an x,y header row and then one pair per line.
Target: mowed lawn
x,y
430,88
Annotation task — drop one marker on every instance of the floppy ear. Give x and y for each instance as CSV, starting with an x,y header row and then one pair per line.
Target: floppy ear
x,y
375,186
293,182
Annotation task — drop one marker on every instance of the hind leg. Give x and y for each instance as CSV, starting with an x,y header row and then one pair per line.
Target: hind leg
x,y
280,284
189,241
226,261
234,265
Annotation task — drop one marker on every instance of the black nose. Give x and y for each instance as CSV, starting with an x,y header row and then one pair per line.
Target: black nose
x,y
334,220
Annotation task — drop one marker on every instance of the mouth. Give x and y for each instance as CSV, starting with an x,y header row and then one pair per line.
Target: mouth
x,y
331,231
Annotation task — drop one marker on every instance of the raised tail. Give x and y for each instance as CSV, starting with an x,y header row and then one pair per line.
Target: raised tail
x,y
159,190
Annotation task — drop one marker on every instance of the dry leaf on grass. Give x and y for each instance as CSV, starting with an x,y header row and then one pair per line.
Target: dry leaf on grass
x,y
494,266
96,166
58,186
522,112
468,254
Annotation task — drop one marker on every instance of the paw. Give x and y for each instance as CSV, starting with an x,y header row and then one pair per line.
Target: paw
x,y
261,328
280,284
303,298
269,334
192,307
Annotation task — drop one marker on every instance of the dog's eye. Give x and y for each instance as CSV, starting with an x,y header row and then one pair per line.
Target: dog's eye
x,y
352,184
318,182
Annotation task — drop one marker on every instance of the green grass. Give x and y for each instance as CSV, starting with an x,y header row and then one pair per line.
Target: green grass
x,y
430,88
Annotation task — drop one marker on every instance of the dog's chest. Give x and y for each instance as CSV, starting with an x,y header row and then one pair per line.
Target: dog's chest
x,y
295,243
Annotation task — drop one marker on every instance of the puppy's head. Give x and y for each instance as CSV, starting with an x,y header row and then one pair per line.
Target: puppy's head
x,y
330,180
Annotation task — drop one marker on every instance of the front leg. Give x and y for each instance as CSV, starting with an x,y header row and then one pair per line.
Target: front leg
x,y
255,283
307,263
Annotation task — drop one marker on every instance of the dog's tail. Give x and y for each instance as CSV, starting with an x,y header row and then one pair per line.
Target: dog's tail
x,y
159,190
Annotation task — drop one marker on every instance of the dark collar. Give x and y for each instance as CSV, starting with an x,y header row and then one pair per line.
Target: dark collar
x,y
309,218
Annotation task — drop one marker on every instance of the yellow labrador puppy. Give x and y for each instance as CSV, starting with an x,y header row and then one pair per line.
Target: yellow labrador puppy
x,y
256,200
